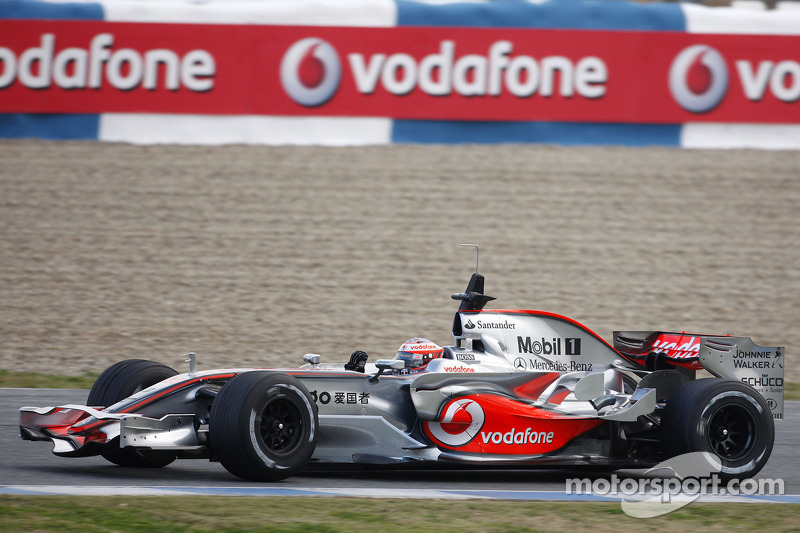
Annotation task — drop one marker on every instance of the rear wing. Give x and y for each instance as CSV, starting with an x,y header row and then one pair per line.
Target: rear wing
x,y
739,358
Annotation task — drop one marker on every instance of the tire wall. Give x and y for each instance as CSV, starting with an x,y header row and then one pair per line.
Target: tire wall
x,y
356,72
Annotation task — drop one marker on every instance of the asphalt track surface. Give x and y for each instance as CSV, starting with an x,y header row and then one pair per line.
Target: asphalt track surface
x,y
30,468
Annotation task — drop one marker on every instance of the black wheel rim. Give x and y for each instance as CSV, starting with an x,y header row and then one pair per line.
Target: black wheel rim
x,y
731,432
280,425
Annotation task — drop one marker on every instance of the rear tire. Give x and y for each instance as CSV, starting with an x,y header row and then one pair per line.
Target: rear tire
x,y
263,426
724,417
116,383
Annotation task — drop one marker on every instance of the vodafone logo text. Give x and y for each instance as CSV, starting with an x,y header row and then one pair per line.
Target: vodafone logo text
x,y
99,63
310,73
699,79
782,78
443,73
483,75
515,436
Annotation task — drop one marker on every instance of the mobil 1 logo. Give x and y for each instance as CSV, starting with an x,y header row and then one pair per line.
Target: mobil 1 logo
x,y
554,346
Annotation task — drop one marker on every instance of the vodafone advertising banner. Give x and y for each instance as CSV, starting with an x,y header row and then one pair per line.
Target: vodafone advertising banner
x,y
423,73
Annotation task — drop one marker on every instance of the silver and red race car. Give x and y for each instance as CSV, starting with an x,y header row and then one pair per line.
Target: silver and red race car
x,y
518,387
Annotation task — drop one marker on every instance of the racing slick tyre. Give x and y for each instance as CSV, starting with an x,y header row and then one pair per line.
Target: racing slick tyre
x,y
724,417
263,426
116,383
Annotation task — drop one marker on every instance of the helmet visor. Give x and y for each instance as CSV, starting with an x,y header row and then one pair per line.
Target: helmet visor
x,y
412,360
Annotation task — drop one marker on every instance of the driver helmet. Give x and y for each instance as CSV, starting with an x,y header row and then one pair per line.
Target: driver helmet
x,y
417,353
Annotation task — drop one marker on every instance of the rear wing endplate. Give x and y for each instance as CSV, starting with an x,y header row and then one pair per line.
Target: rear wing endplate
x,y
740,358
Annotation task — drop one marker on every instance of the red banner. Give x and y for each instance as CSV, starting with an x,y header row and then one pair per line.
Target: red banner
x,y
403,72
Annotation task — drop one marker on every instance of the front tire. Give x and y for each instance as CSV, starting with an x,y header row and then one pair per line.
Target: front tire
x,y
116,383
724,417
263,426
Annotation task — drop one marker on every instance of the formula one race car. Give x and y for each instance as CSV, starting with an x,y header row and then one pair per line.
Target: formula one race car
x,y
517,388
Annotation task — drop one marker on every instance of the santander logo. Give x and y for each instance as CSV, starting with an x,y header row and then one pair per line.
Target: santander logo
x,y
698,78
311,71
460,423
